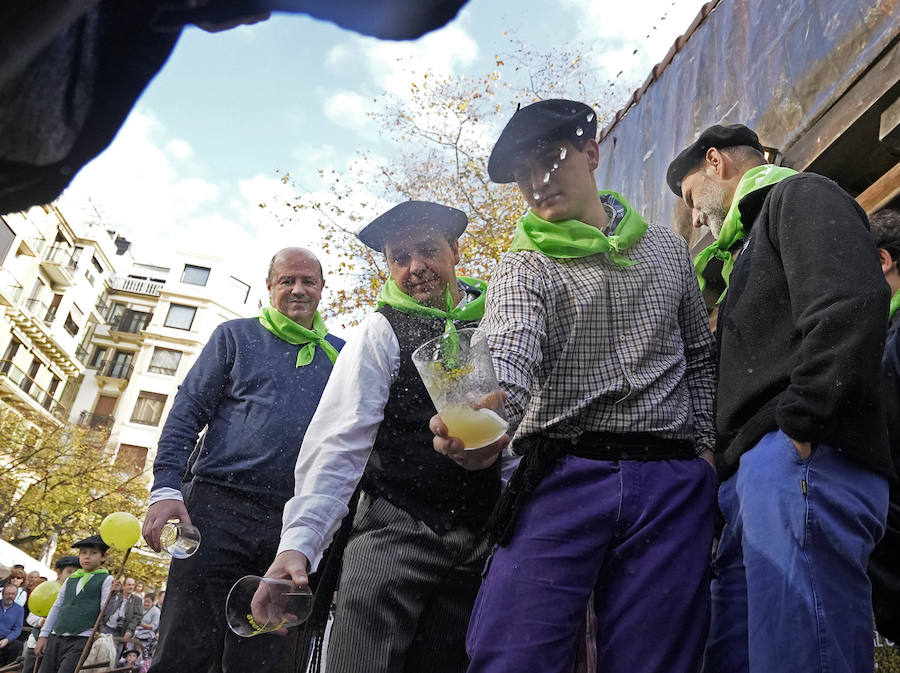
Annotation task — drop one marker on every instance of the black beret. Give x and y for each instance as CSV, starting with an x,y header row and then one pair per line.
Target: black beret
x,y
412,215
94,541
718,136
534,125
66,562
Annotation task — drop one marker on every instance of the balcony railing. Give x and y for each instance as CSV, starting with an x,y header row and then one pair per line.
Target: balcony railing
x,y
41,310
132,322
62,255
96,421
10,287
135,285
82,354
29,386
115,369
37,243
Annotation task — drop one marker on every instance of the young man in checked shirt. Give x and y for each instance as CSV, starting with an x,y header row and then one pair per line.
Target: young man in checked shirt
x,y
601,343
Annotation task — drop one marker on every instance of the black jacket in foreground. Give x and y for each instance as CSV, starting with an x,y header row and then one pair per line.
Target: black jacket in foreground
x,y
801,330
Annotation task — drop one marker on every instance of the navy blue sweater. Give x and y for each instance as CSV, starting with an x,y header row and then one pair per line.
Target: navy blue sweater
x,y
11,621
256,402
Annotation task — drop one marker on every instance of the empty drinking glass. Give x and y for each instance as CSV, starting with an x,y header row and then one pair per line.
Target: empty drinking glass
x,y
258,605
179,539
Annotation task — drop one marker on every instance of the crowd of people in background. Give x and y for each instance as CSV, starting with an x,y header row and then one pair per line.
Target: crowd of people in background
x,y
131,617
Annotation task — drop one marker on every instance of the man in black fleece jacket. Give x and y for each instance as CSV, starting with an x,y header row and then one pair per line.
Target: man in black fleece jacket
x,y
802,447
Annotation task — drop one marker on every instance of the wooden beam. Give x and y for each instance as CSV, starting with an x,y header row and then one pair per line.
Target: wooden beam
x,y
880,193
852,104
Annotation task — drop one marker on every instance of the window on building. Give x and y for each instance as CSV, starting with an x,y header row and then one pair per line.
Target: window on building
x,y
97,358
131,458
115,312
70,325
164,361
51,393
98,267
195,275
180,316
148,409
7,236
120,365
11,349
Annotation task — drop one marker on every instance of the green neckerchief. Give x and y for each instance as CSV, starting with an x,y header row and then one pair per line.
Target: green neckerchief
x,y
287,330
391,295
895,304
572,238
732,227
86,576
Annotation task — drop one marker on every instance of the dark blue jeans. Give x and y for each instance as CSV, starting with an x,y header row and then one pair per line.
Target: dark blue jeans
x,y
791,592
240,533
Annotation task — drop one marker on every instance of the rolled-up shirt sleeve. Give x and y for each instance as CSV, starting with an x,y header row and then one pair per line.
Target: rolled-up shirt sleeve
x,y
339,439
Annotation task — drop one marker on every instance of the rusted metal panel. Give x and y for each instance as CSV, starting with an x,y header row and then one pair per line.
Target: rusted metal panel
x,y
775,65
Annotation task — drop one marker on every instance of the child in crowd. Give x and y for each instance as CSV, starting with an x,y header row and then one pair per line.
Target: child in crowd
x,y
71,619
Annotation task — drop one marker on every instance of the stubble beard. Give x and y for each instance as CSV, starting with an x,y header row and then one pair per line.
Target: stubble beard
x,y
711,202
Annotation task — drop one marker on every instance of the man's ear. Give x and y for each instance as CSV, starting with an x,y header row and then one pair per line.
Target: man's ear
x,y
592,149
887,262
715,161
454,246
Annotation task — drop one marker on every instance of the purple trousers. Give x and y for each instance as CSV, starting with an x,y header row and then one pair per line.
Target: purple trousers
x,y
637,534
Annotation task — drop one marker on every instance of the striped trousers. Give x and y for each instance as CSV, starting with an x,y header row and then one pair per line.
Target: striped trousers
x,y
405,594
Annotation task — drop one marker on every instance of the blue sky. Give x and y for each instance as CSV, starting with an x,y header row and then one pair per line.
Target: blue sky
x,y
203,145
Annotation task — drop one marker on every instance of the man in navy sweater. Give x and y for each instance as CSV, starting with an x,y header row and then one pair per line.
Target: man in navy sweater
x,y
254,388
11,614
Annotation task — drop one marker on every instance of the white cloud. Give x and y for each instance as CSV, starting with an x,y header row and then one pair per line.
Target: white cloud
x,y
180,149
442,52
648,27
392,67
347,109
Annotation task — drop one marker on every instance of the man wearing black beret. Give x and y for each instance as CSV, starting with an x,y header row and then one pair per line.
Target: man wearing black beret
x,y
801,444
412,565
601,342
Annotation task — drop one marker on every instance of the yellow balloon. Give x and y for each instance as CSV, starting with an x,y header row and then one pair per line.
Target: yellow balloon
x,y
120,530
42,598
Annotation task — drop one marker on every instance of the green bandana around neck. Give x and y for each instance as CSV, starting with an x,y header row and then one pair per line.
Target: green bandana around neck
x,y
287,330
732,227
569,239
83,576
81,572
391,295
895,304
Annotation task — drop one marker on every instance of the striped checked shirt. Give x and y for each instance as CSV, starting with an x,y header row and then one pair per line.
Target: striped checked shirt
x,y
582,345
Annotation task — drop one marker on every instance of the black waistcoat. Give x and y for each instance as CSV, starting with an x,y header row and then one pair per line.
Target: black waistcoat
x,y
403,467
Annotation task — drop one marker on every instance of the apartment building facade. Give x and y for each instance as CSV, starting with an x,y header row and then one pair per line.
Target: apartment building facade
x,y
50,278
91,336
156,321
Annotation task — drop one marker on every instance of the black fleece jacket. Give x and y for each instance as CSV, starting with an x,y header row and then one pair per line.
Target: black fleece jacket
x,y
802,328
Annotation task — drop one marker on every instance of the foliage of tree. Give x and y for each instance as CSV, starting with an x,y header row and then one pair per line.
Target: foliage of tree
x,y
887,656
441,133
60,479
